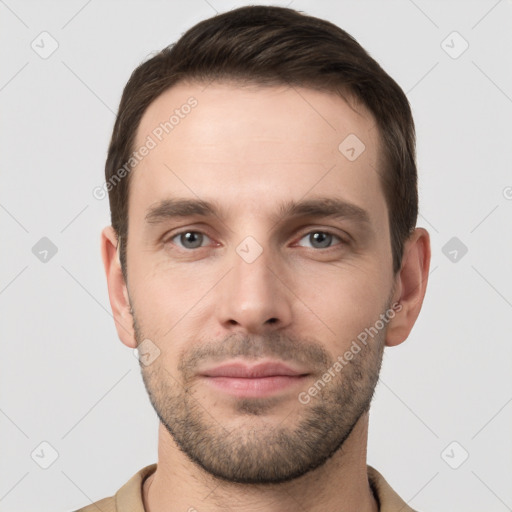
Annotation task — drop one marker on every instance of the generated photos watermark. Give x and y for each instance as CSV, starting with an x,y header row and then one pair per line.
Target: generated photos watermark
x,y
157,135
354,349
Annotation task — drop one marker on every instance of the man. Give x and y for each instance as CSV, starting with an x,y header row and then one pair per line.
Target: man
x,y
262,253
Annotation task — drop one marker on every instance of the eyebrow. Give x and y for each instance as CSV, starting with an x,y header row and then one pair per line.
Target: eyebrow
x,y
325,207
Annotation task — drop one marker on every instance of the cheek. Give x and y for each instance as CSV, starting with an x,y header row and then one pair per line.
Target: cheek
x,y
341,300
170,303
162,286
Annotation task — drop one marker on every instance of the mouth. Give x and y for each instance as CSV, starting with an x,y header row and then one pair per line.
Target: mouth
x,y
253,381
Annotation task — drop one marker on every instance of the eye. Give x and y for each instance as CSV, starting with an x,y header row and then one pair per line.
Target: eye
x,y
320,239
189,239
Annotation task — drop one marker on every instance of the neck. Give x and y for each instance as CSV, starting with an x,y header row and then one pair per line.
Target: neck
x,y
340,485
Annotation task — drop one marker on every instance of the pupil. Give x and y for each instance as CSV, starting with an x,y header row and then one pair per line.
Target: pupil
x,y
321,238
193,239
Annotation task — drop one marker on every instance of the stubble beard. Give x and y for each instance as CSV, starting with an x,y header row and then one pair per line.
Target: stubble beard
x,y
257,451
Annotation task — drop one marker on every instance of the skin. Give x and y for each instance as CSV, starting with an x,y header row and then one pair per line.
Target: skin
x,y
250,149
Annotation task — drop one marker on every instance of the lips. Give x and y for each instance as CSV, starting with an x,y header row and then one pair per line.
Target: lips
x,y
259,380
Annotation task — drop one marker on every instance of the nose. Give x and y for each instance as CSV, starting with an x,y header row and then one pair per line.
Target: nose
x,y
254,296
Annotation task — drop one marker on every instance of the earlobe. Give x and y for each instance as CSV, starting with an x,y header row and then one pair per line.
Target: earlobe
x,y
411,286
117,289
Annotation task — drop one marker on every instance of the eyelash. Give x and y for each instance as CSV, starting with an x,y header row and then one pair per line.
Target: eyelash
x,y
326,232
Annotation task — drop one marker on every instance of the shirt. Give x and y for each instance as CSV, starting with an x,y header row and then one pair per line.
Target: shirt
x,y
129,497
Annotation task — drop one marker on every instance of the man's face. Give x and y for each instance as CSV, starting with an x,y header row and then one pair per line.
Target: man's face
x,y
255,281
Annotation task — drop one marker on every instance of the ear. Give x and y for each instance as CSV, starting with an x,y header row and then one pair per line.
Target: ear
x,y
411,284
117,289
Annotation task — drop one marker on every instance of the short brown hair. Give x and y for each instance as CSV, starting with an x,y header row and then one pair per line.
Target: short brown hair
x,y
275,46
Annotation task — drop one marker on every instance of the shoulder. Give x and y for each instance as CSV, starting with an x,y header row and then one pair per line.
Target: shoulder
x,y
128,497
105,505
388,499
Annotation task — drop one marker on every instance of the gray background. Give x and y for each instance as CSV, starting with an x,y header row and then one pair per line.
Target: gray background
x,y
67,380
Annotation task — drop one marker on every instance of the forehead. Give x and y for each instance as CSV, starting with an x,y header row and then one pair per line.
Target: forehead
x,y
255,146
